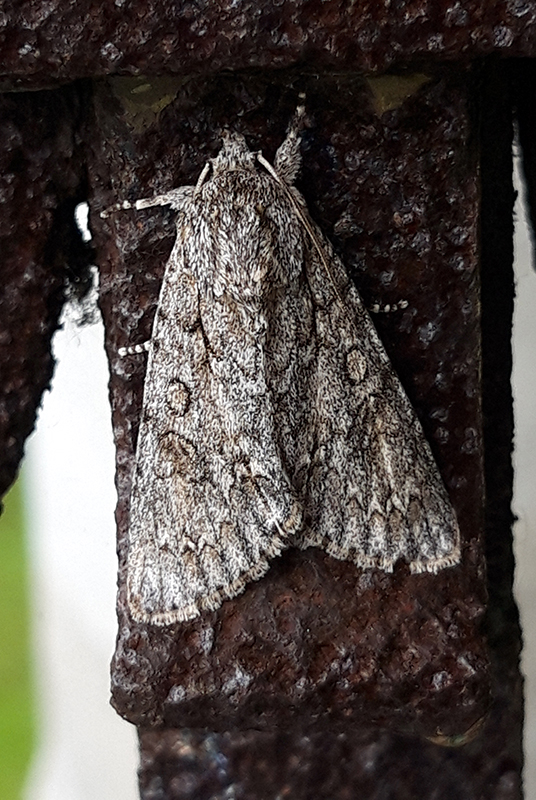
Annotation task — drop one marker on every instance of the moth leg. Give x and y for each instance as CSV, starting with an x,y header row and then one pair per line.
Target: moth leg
x,y
125,205
107,212
175,198
135,349
376,308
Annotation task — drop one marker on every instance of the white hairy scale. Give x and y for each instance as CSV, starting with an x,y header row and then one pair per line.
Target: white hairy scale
x,y
272,416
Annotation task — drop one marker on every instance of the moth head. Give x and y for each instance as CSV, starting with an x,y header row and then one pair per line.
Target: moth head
x,y
234,154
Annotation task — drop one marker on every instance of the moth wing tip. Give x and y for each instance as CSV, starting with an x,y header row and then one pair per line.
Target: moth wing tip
x,y
212,601
435,565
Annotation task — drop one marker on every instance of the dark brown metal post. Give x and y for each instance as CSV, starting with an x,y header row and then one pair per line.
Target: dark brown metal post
x,y
321,680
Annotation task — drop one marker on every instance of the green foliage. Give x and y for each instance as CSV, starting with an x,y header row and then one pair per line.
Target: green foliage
x,y
17,724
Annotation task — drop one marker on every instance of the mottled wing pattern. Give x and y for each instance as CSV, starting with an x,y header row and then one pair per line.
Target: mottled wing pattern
x,y
373,493
271,413
211,500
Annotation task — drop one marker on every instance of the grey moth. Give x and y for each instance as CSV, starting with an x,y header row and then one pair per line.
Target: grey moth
x,y
272,416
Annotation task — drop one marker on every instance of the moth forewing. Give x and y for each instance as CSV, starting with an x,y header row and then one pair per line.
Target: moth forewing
x,y
271,413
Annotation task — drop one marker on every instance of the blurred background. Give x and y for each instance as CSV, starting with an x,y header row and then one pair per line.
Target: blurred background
x,y
58,574
57,593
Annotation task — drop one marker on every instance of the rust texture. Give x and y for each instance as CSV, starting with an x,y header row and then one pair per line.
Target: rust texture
x,y
40,179
184,765
321,681
43,42
318,641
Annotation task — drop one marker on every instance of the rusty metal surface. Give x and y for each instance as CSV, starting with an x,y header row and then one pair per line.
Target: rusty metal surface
x,y
342,661
45,42
183,765
390,174
40,176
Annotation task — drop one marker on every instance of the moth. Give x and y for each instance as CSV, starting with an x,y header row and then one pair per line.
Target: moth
x,y
271,415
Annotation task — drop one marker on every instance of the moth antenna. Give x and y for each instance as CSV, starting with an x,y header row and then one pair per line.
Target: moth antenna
x,y
305,222
202,177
